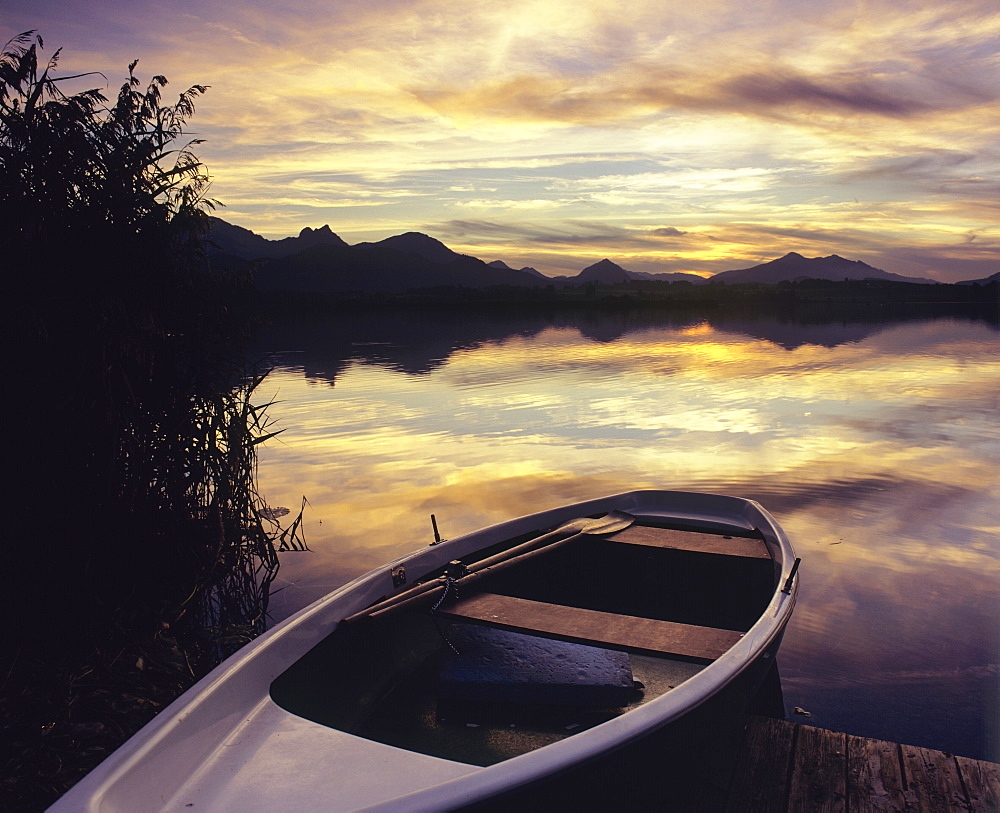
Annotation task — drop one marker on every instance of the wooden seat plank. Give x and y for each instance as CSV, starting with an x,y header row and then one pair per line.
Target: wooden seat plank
x,y
609,630
748,547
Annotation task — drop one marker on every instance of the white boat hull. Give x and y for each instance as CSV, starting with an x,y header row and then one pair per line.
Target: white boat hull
x,y
226,745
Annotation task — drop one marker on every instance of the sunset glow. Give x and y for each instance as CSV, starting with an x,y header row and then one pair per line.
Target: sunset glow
x,y
694,138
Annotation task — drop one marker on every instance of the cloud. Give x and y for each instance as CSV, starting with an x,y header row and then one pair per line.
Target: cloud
x,y
600,236
673,182
234,33
642,93
927,165
496,203
699,137
567,246
848,94
551,234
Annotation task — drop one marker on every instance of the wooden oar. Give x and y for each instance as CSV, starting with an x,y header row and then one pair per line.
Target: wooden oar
x,y
608,524
584,526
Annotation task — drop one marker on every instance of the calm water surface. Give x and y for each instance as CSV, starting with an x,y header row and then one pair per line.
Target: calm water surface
x,y
875,444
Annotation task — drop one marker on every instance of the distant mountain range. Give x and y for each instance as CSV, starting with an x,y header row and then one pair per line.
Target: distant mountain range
x,y
320,261
794,266
984,281
243,243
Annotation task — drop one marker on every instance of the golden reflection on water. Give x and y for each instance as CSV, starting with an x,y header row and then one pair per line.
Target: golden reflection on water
x,y
878,455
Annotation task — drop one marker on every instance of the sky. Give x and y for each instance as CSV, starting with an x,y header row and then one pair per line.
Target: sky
x,y
666,136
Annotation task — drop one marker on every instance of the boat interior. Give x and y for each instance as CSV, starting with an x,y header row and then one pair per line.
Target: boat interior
x,y
673,598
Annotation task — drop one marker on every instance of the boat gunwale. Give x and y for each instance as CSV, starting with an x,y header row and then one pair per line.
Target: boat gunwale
x,y
293,637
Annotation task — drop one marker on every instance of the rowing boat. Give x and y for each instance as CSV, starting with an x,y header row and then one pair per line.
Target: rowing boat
x,y
478,668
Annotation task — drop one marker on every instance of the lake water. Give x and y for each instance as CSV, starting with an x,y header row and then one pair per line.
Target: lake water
x,y
876,445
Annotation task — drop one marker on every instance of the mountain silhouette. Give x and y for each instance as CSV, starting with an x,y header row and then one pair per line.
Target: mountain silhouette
x,y
318,260
794,266
669,276
527,269
225,238
414,242
604,272
607,272
983,281
389,266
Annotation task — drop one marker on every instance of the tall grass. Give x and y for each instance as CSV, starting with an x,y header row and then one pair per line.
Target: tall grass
x,y
137,550
217,483
131,423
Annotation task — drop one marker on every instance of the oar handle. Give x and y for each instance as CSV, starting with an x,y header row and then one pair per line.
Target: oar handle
x,y
614,522
434,589
405,598
517,550
399,598
441,585
496,567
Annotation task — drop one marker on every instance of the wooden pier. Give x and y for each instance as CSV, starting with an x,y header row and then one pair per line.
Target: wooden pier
x,y
768,765
783,766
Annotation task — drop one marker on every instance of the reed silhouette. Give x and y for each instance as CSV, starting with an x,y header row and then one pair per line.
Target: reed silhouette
x,y
134,523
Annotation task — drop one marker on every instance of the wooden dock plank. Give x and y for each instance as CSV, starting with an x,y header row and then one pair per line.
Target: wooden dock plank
x,y
610,630
785,766
874,776
819,770
748,547
982,783
932,780
760,782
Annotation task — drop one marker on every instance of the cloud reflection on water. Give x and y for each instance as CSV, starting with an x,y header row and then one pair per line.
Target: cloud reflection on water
x,y
878,455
